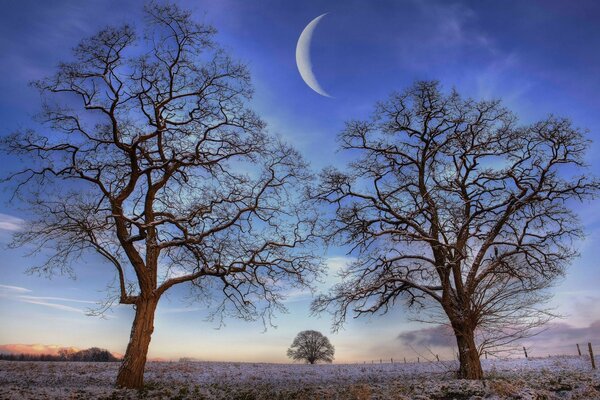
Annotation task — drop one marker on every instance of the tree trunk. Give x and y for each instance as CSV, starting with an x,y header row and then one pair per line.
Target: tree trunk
x,y
470,365
131,372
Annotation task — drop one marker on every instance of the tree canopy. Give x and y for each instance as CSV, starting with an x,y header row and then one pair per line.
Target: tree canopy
x,y
311,347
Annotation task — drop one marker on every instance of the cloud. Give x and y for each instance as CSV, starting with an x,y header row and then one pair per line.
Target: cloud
x,y
294,295
437,336
10,223
564,331
562,338
55,306
491,81
335,264
333,267
12,289
51,349
553,339
17,293
166,272
451,21
441,29
42,298
35,349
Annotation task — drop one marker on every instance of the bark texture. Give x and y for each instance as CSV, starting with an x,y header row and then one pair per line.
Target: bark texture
x,y
470,364
131,372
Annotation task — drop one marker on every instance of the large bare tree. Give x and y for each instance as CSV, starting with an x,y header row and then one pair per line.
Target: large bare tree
x,y
152,159
451,203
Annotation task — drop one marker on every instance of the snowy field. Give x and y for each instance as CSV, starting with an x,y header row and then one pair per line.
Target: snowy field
x,y
544,378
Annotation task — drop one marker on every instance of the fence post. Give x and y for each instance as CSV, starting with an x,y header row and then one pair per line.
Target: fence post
x,y
392,360
578,350
418,360
525,351
438,357
404,360
592,355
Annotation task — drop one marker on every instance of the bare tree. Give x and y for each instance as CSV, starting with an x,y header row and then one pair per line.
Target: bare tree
x,y
452,203
311,347
153,160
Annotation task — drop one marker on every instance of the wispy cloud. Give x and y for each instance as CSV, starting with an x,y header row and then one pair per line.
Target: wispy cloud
x,y
335,264
166,272
55,306
43,298
10,223
295,295
16,293
13,289
440,29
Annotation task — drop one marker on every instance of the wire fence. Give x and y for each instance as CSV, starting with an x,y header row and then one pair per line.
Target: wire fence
x,y
436,358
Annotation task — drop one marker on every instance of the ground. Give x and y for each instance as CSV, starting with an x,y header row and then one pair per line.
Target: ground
x,y
543,378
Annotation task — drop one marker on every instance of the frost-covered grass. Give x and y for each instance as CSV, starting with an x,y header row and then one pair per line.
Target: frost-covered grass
x,y
543,378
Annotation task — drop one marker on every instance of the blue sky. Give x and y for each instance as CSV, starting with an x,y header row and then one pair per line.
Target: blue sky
x,y
540,57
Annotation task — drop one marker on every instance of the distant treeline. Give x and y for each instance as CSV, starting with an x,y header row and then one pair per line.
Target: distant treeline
x,y
92,354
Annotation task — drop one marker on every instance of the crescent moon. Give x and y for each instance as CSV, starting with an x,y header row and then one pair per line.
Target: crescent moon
x,y
303,57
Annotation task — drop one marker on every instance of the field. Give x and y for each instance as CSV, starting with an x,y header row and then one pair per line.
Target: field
x,y
543,378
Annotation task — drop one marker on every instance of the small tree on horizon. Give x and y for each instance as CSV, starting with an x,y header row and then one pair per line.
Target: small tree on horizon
x,y
311,347
451,204
150,158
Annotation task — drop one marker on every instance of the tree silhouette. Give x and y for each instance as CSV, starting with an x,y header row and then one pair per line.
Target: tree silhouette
x,y
311,347
451,204
93,354
153,161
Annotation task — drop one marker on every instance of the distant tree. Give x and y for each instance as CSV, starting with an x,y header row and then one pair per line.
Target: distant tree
x,y
311,347
451,204
65,354
153,161
93,354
